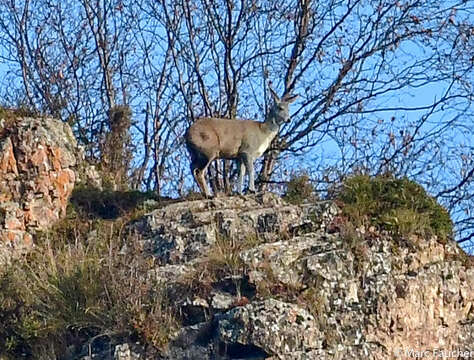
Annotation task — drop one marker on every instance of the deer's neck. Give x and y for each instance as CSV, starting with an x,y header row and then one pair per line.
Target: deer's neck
x,y
272,124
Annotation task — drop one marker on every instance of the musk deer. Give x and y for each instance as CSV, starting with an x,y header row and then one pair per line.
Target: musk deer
x,y
243,140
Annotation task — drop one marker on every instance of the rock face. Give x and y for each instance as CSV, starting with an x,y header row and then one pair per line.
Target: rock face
x,y
274,326
37,157
289,284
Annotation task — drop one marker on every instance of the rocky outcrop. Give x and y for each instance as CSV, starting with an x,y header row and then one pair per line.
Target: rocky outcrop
x,y
37,160
274,326
257,278
180,232
253,277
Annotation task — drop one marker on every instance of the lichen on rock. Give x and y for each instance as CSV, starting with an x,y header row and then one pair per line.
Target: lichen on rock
x,y
302,289
38,157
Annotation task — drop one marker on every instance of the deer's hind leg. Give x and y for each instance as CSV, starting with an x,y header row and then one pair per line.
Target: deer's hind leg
x,y
199,166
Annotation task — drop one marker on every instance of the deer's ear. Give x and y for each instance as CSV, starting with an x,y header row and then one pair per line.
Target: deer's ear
x,y
290,98
274,94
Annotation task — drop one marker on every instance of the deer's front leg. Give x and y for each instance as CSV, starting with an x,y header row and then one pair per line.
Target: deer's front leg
x,y
241,176
248,160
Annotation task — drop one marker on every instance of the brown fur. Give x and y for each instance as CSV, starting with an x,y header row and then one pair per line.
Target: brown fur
x,y
244,140
237,136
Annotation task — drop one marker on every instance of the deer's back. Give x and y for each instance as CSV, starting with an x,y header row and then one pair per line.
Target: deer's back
x,y
216,137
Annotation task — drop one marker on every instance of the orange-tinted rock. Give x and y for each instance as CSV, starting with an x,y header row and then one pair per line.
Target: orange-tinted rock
x,y
64,183
7,158
13,223
39,159
16,238
56,158
37,162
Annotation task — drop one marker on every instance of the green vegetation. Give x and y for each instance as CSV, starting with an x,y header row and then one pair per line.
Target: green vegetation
x,y
300,189
76,285
399,205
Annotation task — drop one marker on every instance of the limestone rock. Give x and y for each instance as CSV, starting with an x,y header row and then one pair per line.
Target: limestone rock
x,y
124,352
271,325
305,290
183,231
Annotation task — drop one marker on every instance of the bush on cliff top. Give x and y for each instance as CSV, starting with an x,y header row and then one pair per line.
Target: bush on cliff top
x,y
300,189
9,116
399,205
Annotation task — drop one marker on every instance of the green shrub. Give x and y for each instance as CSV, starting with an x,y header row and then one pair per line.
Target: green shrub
x,y
299,189
399,205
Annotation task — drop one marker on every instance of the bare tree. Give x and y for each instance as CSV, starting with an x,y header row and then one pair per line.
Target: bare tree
x,y
385,86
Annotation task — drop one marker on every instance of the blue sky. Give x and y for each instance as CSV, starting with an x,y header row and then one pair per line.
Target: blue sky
x,y
327,151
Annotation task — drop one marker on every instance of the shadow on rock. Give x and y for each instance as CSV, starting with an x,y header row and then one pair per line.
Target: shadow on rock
x,y
108,204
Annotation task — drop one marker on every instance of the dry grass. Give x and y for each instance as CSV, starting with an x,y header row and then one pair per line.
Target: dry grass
x,y
76,285
222,262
